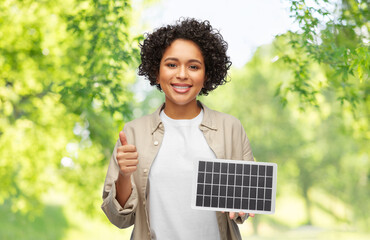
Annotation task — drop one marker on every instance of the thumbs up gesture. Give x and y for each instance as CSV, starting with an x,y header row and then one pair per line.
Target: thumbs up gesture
x,y
127,156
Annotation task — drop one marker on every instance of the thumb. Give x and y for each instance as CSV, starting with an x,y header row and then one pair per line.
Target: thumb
x,y
122,138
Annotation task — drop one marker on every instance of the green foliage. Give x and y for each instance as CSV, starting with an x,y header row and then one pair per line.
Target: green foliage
x,y
64,71
52,225
335,35
104,50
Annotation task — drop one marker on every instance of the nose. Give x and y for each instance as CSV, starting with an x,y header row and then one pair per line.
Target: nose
x,y
182,73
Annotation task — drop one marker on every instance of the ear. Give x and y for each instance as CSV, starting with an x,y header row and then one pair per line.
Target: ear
x,y
157,80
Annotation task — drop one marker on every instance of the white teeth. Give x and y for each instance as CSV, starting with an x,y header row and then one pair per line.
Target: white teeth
x,y
181,87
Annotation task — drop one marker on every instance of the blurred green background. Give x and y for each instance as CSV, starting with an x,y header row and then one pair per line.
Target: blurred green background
x,y
67,86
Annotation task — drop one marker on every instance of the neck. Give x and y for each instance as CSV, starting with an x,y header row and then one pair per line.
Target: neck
x,y
188,111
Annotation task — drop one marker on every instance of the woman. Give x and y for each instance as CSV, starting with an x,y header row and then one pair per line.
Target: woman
x,y
149,178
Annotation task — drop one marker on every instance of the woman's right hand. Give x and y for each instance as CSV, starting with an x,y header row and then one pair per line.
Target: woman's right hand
x,y
127,157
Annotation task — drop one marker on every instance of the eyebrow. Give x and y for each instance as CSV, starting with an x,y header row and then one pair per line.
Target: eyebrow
x,y
176,59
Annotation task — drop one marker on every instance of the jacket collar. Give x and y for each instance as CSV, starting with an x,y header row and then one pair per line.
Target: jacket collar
x,y
207,121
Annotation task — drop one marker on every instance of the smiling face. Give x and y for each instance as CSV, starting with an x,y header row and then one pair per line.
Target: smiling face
x,y
181,76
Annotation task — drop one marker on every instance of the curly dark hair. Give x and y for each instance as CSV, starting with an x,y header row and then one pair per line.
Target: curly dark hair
x,y
209,40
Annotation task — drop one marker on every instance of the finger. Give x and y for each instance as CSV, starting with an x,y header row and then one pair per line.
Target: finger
x,y
127,155
128,163
231,215
128,169
251,214
127,148
241,214
122,138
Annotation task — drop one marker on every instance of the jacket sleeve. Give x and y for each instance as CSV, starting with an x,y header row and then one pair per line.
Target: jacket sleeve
x,y
239,220
122,217
247,150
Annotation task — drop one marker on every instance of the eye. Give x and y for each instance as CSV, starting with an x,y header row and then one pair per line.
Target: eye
x,y
171,65
194,67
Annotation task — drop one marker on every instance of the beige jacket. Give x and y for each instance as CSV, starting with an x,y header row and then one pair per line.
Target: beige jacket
x,y
224,134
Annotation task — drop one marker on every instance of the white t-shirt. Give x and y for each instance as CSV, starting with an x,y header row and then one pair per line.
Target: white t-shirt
x,y
170,183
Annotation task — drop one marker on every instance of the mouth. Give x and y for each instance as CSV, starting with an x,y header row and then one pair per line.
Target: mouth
x,y
181,88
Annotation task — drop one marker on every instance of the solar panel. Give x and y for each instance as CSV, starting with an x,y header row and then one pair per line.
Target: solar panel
x,y
231,185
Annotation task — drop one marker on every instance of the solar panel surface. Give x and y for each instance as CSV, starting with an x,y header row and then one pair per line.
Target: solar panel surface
x,y
230,185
